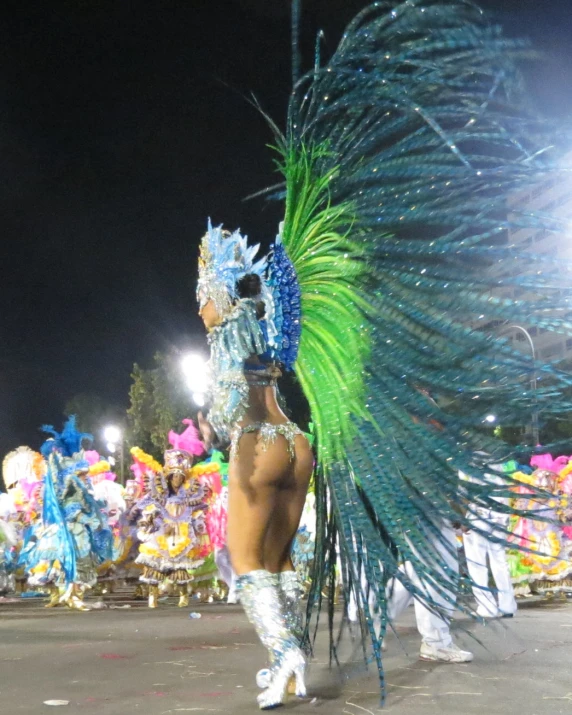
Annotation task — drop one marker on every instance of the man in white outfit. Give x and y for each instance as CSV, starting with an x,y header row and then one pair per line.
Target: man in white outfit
x,y
436,640
501,602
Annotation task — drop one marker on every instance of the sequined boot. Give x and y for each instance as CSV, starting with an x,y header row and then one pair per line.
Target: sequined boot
x,y
291,594
260,597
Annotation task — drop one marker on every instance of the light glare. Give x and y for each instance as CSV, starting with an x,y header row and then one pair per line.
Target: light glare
x,y
112,434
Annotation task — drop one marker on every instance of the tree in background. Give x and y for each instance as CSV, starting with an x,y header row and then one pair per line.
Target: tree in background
x,y
158,402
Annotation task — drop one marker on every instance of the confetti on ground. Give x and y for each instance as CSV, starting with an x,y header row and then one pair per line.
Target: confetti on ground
x,y
56,703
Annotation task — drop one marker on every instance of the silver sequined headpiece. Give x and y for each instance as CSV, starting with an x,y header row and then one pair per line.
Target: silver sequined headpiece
x,y
224,259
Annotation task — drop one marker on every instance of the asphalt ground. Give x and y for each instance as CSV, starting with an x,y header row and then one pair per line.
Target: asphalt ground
x,y
122,661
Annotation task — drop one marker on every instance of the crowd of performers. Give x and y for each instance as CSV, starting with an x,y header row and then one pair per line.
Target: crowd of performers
x,y
68,528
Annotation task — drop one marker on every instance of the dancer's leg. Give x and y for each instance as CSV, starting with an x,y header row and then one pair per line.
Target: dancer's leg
x,y
261,526
258,480
290,500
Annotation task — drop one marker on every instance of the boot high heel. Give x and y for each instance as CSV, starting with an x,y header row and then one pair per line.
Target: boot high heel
x,y
293,664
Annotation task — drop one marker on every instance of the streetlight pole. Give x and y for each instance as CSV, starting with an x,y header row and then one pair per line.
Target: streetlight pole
x,y
533,383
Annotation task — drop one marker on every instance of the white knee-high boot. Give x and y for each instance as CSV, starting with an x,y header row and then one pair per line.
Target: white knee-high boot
x,y
263,604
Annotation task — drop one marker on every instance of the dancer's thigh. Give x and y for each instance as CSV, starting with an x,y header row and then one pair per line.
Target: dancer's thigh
x,y
290,500
256,476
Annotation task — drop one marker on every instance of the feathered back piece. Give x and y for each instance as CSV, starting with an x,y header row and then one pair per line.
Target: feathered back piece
x,y
403,158
189,440
224,259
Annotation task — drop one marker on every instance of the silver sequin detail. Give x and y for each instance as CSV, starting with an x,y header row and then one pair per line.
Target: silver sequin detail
x,y
268,434
259,595
231,343
292,592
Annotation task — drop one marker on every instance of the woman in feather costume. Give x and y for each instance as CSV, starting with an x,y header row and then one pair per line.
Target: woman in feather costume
x,y
270,458
400,157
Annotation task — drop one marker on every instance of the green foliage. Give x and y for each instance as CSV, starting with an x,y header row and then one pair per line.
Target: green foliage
x,y
158,403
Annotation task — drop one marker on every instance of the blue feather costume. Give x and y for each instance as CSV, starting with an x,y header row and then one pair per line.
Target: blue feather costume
x,y
62,552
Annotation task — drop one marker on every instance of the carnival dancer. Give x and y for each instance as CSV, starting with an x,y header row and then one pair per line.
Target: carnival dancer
x,y
218,516
270,460
104,487
110,496
145,469
23,471
543,561
172,529
73,538
89,529
8,543
203,576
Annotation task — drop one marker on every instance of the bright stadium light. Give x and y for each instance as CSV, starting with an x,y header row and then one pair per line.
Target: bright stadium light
x,y
194,367
112,434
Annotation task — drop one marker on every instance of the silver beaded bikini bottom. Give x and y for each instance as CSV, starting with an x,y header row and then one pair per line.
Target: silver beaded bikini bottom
x,y
268,435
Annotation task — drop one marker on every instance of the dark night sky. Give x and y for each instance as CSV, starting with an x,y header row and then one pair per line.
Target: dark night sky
x,y
123,125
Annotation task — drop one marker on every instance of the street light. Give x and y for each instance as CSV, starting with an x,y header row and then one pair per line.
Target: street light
x,y
114,439
194,367
112,433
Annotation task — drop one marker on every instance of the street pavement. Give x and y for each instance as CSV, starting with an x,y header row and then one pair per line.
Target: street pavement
x,y
135,661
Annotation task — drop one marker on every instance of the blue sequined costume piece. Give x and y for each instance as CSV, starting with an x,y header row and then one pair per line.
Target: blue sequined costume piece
x,y
231,343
